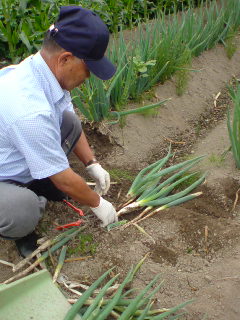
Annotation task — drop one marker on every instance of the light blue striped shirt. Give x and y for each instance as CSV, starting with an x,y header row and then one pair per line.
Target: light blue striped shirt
x,y
31,107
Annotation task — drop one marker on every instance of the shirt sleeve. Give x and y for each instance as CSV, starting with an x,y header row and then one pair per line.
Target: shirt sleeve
x,y
69,105
38,140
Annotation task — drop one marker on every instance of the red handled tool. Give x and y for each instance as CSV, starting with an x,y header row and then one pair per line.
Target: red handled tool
x,y
74,208
72,224
69,225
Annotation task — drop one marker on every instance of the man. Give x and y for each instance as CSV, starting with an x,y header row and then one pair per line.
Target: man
x,y
38,127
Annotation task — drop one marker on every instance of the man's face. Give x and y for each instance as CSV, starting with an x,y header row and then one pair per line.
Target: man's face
x,y
71,72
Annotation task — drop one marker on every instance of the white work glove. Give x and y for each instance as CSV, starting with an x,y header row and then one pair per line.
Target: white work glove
x,y
101,177
105,212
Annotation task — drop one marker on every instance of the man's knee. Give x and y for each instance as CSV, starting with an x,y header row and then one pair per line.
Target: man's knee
x,y
71,130
20,212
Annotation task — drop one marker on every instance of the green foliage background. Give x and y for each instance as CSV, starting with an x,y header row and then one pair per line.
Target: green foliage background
x,y
24,22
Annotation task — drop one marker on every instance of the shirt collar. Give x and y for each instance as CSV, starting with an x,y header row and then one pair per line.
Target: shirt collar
x,y
50,83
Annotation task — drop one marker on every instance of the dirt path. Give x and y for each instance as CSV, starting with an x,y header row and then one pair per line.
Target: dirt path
x,y
141,135
195,247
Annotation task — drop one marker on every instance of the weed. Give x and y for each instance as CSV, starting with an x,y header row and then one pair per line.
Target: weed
x,y
85,245
190,180
216,159
189,250
121,174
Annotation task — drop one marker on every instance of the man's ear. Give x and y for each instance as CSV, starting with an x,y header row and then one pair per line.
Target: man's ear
x,y
64,58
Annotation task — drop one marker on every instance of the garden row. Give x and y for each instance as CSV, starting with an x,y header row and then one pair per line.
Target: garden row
x,y
158,49
23,22
155,52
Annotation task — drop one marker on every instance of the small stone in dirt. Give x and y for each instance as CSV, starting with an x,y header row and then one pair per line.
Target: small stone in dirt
x,y
208,278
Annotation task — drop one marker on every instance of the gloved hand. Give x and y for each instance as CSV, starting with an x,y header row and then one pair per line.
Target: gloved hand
x,y
101,177
105,212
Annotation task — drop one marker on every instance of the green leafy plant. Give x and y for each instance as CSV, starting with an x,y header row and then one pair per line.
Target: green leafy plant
x,y
22,26
120,306
84,244
23,22
93,100
216,159
121,174
155,52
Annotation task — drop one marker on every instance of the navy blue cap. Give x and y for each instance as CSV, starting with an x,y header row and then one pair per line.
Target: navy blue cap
x,y
85,35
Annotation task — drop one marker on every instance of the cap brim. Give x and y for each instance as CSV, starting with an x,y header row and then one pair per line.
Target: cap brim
x,y
102,68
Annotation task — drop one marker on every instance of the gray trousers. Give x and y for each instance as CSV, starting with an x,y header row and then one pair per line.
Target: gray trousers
x,y
22,206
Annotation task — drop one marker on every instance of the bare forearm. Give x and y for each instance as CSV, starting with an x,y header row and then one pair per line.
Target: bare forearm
x,y
73,185
83,150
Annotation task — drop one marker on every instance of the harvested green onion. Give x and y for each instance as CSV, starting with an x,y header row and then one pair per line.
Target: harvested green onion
x,y
60,263
148,190
140,307
44,256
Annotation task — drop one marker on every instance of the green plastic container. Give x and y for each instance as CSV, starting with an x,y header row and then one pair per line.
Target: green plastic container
x,y
34,297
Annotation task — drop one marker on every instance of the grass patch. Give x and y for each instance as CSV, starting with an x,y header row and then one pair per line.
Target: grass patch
x,y
216,159
189,250
121,174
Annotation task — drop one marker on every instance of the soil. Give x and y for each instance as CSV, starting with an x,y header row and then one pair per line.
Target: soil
x,y
194,246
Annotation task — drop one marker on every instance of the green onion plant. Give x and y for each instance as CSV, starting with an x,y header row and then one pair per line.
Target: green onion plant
x,y
155,52
56,243
121,306
60,263
234,126
156,186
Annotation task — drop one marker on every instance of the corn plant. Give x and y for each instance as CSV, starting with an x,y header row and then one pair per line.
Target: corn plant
x,y
9,32
22,26
151,191
234,127
120,306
